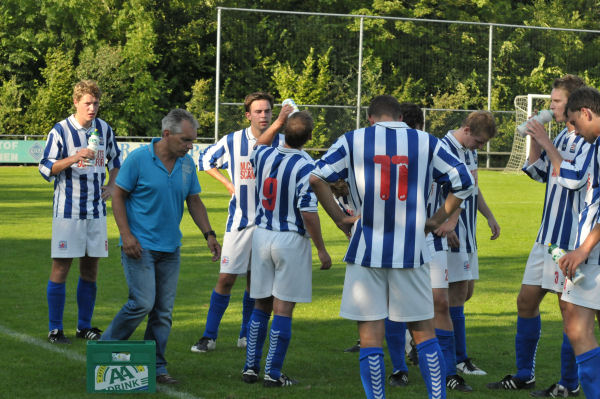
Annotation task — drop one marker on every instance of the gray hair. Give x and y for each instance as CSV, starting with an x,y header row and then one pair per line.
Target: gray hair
x,y
172,122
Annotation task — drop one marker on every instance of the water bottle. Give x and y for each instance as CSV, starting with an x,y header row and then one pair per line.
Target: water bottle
x,y
289,101
558,253
93,142
544,116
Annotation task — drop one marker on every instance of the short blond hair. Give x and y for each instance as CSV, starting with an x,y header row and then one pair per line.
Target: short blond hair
x,y
86,87
481,124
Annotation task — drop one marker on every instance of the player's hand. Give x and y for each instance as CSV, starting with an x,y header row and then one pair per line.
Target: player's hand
x,y
571,261
131,246
215,247
83,155
107,192
537,132
346,224
286,110
445,228
325,259
494,227
453,241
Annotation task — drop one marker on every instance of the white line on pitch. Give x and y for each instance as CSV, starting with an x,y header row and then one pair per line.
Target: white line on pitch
x,y
80,358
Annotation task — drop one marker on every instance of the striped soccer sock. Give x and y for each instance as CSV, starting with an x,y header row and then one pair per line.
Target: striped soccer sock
x,y
257,332
372,372
86,300
218,305
433,369
279,339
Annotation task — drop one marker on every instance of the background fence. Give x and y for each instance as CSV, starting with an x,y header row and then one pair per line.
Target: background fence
x,y
333,64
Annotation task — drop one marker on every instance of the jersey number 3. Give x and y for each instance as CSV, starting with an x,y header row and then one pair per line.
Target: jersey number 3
x,y
270,193
386,162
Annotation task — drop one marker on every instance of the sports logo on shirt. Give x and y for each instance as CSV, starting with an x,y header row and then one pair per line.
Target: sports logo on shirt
x,y
572,149
246,171
225,260
466,265
62,245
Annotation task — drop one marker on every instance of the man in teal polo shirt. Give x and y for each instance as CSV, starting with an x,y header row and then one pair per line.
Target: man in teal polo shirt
x,y
154,182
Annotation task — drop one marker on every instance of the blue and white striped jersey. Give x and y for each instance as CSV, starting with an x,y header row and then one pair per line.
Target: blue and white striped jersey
x,y
590,215
283,189
77,189
565,194
467,221
435,199
389,168
232,152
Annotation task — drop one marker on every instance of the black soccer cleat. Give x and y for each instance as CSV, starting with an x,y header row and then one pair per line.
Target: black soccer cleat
x,y
509,382
283,381
57,336
457,383
91,334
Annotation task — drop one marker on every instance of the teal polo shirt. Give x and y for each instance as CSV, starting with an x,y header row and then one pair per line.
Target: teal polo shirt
x,y
156,197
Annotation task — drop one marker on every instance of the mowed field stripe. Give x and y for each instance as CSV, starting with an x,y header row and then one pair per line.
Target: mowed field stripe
x,y
80,358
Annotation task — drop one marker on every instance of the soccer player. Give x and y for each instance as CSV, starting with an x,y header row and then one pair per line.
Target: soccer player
x,y
388,169
152,187
286,219
232,152
563,201
79,208
453,246
582,300
462,263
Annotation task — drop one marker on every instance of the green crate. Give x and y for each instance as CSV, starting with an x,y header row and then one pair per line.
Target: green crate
x,y
121,366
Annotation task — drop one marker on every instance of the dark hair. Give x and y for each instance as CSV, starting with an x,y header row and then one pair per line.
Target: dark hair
x,y
298,129
412,115
481,124
384,105
584,97
259,95
568,83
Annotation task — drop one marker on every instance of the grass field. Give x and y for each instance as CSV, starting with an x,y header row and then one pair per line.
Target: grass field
x,y
34,369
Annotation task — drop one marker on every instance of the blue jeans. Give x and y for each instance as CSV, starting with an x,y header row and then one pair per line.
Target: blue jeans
x,y
152,282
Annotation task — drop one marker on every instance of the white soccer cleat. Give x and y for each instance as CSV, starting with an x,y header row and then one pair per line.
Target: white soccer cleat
x,y
241,342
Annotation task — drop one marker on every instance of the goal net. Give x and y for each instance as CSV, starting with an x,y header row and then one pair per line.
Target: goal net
x,y
525,105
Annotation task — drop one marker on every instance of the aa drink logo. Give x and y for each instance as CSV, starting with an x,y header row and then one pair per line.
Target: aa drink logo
x,y
121,378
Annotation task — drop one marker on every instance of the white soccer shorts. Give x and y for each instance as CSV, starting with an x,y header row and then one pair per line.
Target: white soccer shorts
x,y
438,267
74,238
237,251
281,266
462,266
376,293
586,292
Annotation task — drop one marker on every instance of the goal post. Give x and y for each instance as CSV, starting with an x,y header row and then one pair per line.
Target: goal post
x,y
524,108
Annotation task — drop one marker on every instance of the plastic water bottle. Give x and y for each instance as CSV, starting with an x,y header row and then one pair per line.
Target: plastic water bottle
x,y
544,116
93,143
289,101
558,253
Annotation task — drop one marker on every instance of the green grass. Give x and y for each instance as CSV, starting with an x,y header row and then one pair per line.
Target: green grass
x,y
315,357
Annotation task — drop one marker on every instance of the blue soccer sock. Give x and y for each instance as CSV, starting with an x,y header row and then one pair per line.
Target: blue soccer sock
x,y
257,332
446,341
86,300
372,372
568,366
218,305
433,369
395,335
457,313
279,339
589,364
56,295
247,307
526,342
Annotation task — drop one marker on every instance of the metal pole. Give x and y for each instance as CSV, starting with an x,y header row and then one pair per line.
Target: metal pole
x,y
360,57
218,74
489,91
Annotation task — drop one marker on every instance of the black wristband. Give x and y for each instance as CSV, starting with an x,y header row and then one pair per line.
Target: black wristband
x,y
210,233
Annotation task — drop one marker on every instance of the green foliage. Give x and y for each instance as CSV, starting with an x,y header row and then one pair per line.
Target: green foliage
x,y
201,105
54,95
11,99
